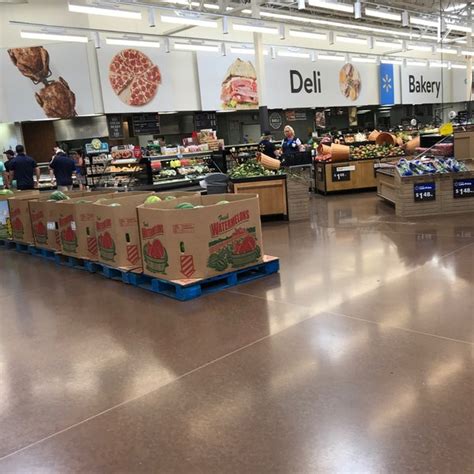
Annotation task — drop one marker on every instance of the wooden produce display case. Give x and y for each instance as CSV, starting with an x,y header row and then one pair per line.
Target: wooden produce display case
x,y
271,191
427,195
346,175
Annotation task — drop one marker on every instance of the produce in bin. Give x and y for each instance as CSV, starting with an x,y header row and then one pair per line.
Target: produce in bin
x,y
250,169
58,196
437,165
371,151
5,192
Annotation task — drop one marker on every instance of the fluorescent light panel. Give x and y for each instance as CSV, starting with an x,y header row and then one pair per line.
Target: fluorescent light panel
x,y
326,57
115,12
456,27
416,63
349,40
419,47
54,37
438,64
184,20
364,60
255,28
458,66
423,22
293,54
383,14
391,61
307,34
236,50
387,44
196,47
446,51
467,53
132,42
340,7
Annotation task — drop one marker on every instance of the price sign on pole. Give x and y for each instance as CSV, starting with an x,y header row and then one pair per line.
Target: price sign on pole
x,y
463,188
424,192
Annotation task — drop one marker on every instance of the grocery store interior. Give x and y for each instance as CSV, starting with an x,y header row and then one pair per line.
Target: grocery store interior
x,y
236,236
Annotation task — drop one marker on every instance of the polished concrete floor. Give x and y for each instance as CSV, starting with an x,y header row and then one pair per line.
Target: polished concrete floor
x,y
356,358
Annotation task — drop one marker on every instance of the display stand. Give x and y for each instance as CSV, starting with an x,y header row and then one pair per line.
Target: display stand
x,y
346,175
426,195
271,191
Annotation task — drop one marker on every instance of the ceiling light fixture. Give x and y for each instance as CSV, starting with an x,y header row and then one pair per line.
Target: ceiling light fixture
x,y
115,12
133,42
53,37
188,20
467,53
438,64
416,63
307,34
350,40
372,12
358,59
340,7
458,66
327,57
196,47
237,50
456,27
414,20
419,47
388,44
268,30
293,54
446,50
391,61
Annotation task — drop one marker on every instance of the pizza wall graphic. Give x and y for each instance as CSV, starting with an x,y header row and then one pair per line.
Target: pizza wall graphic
x,y
134,77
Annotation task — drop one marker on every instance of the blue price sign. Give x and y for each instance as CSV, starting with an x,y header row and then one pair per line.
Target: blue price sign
x,y
424,192
463,188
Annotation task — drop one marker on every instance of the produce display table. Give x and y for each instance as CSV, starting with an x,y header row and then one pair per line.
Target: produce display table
x,y
271,191
346,175
425,195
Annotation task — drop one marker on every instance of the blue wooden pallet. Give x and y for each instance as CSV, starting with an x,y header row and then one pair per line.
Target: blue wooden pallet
x,y
24,248
72,262
189,291
8,244
106,271
43,253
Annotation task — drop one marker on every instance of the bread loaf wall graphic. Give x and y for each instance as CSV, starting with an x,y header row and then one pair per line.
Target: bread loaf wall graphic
x,y
239,87
350,82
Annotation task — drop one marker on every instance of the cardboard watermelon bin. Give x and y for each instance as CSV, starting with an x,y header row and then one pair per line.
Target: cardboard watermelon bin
x,y
118,237
76,222
5,222
200,242
44,219
116,225
19,215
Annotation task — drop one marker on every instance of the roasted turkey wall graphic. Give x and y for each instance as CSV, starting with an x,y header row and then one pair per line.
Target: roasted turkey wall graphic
x,y
350,82
134,77
55,97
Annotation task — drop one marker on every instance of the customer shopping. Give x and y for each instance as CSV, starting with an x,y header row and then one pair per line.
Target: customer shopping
x,y
22,169
63,167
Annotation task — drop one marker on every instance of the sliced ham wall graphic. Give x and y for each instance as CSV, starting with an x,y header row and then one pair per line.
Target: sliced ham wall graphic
x,y
147,80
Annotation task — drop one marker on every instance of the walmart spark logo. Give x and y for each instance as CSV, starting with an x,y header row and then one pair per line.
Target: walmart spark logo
x,y
387,92
386,83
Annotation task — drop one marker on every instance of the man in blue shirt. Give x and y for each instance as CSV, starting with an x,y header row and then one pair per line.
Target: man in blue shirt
x,y
22,168
63,167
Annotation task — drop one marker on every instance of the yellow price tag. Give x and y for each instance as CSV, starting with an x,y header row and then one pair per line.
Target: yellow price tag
x,y
446,129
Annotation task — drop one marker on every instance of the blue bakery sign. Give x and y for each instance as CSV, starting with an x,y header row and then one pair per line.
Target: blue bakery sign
x,y
387,84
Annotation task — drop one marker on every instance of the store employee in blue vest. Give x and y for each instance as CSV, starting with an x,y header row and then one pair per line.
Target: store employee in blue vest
x,y
290,143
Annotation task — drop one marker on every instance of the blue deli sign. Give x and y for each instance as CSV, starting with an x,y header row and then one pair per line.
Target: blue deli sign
x,y
387,84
